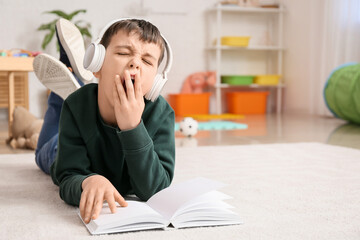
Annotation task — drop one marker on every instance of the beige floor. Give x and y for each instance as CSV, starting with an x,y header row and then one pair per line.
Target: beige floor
x,y
272,128
284,128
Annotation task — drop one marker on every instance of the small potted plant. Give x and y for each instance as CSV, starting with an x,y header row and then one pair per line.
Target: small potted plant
x,y
83,26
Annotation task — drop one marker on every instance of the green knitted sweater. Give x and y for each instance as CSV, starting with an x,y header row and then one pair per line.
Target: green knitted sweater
x,y
140,161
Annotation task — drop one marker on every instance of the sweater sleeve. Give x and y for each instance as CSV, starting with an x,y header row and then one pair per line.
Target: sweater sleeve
x,y
150,160
71,165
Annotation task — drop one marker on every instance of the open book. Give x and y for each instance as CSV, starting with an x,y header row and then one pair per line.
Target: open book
x,y
193,203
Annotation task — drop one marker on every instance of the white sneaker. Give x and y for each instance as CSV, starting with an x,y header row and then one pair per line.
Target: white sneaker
x,y
73,44
54,75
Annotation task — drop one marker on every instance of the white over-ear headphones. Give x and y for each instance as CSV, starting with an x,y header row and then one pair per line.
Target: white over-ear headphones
x,y
95,55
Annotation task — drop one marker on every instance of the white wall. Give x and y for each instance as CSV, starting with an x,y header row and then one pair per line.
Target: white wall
x,y
184,25
181,22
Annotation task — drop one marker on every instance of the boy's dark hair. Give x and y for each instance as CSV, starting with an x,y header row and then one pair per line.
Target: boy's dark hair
x,y
147,33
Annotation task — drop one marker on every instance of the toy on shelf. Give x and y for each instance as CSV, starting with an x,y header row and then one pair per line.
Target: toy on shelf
x,y
188,127
17,52
251,3
241,3
235,41
197,82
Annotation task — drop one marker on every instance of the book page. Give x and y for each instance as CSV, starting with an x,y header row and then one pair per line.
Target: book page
x,y
136,216
205,200
170,199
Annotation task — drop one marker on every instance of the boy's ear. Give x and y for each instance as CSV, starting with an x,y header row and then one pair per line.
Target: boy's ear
x,y
97,74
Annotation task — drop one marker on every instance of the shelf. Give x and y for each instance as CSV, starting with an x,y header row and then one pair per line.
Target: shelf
x,y
16,64
258,48
246,9
275,18
222,85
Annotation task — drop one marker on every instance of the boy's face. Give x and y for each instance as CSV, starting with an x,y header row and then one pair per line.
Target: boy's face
x,y
128,52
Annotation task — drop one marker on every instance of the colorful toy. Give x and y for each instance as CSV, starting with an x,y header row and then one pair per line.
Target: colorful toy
x,y
197,82
342,92
17,52
188,127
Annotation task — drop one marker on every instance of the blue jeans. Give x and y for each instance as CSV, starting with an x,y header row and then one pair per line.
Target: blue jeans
x,y
47,143
46,149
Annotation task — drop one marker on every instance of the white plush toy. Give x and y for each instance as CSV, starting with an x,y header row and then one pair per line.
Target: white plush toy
x,y
188,127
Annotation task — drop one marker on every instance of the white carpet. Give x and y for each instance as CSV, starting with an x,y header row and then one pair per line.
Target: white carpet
x,y
282,191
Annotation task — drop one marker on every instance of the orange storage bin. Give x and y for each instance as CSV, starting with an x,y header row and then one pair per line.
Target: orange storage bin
x,y
190,104
246,102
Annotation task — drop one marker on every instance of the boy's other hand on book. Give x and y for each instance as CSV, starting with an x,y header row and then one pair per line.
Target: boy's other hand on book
x,y
97,189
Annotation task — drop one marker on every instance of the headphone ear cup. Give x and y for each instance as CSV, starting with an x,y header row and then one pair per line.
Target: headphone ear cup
x,y
94,57
158,85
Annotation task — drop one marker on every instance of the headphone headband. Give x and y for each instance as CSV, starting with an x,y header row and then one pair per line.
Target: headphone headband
x,y
169,57
95,55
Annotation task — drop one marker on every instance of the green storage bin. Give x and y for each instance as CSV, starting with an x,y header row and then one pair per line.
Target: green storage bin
x,y
237,79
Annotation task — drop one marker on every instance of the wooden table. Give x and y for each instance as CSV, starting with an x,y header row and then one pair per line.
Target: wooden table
x,y
11,65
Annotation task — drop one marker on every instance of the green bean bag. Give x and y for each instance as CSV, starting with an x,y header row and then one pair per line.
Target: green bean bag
x,y
342,92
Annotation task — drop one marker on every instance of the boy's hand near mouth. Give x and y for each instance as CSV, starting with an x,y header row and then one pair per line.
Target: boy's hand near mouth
x,y
128,101
132,76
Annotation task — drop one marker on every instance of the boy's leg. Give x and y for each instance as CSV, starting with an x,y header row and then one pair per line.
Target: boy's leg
x,y
57,77
45,156
54,75
47,143
52,115
51,119
72,43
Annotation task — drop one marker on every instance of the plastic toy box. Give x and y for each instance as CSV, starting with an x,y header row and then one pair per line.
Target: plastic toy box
x,y
235,41
190,104
247,102
267,79
237,79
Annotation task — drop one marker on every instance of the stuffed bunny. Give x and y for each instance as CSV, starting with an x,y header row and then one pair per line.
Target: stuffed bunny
x,y
25,129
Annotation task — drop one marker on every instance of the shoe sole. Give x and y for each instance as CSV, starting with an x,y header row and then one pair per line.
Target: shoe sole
x,y
54,75
73,44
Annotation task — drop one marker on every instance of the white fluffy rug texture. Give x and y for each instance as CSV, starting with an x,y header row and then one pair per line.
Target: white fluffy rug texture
x,y
281,191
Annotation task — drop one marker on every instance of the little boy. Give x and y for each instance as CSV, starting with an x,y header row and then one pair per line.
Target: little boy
x,y
113,142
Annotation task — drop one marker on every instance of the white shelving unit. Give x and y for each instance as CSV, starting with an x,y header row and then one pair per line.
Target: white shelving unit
x,y
277,48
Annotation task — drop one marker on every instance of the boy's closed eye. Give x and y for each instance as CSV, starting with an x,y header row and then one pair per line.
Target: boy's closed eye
x,y
147,62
